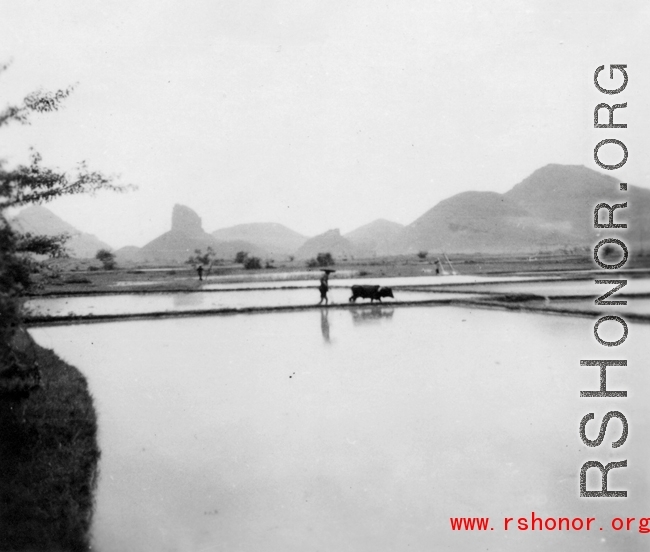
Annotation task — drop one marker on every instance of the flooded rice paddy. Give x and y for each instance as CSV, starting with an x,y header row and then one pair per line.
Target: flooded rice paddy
x,y
556,288
342,280
637,306
550,294
361,429
357,429
203,301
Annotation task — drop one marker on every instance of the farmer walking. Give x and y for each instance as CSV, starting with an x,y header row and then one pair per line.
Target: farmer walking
x,y
324,285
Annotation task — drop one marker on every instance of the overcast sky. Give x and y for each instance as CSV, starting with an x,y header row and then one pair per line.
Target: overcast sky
x,y
316,114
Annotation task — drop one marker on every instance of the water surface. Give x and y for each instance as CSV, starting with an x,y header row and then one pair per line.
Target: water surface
x,y
354,430
134,303
338,281
635,286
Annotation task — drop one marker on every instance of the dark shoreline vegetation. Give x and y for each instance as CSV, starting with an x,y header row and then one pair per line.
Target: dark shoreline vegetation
x,y
48,460
48,425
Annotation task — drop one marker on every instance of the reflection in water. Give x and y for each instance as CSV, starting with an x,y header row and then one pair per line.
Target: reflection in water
x,y
325,325
371,445
370,315
188,299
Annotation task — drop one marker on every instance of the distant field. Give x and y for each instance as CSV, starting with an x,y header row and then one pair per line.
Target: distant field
x,y
79,276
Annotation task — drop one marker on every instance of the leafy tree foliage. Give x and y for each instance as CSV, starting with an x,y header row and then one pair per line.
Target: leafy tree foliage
x,y
203,259
34,183
241,257
252,263
22,185
52,246
324,259
107,258
14,276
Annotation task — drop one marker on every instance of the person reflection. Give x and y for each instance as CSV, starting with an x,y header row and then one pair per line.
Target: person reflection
x,y
370,315
188,299
325,325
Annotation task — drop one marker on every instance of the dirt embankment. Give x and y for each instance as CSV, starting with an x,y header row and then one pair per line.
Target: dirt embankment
x,y
48,461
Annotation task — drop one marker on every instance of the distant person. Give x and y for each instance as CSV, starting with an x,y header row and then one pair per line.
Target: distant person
x,y
200,271
324,287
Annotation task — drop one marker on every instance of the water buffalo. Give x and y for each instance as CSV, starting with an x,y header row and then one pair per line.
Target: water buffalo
x,y
370,292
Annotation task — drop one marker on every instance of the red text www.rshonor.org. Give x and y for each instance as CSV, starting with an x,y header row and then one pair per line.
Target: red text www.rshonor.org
x,y
539,523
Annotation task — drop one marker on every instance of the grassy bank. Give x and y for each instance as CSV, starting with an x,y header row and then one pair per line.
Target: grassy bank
x,y
48,462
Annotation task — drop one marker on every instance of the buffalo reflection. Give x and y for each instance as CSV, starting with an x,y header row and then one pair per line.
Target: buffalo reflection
x,y
371,315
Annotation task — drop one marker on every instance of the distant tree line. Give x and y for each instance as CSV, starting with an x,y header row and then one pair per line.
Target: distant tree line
x,y
250,262
321,260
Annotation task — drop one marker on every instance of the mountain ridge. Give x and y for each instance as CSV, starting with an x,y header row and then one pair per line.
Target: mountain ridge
x,y
186,236
37,219
272,237
552,208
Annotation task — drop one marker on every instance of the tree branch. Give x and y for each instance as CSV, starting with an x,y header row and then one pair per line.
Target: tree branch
x,y
40,101
37,184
